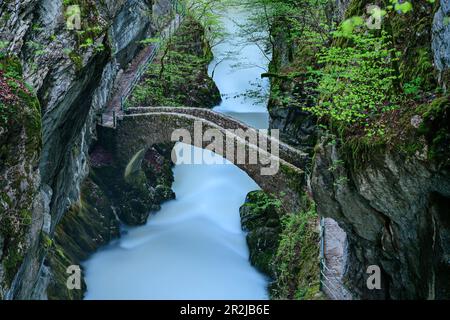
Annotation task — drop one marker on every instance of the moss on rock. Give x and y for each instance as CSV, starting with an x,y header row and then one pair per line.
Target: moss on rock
x,y
88,225
283,246
20,144
436,130
297,257
260,216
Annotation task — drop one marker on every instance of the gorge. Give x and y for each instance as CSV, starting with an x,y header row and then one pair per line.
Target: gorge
x,y
193,248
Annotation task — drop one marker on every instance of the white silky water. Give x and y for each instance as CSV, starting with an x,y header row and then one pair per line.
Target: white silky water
x,y
193,248
236,70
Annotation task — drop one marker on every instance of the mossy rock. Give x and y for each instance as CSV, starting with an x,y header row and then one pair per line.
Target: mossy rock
x,y
20,144
436,129
260,217
87,226
163,193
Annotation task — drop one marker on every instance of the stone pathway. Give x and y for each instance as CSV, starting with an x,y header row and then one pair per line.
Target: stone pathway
x,y
127,81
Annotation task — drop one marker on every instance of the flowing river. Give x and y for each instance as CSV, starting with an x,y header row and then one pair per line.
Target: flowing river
x,y
194,247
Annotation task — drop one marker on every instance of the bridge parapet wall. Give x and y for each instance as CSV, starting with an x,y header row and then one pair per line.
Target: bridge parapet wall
x,y
287,153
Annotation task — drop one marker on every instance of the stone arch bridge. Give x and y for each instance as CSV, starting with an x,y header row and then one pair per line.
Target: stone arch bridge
x,y
276,167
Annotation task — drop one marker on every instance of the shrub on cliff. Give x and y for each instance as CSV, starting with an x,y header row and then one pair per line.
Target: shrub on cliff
x,y
357,82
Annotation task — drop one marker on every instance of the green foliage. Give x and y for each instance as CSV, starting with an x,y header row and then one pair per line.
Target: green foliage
x,y
356,22
76,58
149,41
349,25
357,82
297,257
261,202
181,70
403,7
87,43
3,44
14,92
413,88
207,13
178,76
12,263
46,241
91,26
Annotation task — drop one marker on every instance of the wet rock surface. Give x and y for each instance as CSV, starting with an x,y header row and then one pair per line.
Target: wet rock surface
x,y
73,75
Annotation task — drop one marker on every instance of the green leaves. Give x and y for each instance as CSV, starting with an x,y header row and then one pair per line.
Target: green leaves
x,y
356,83
413,87
375,13
446,21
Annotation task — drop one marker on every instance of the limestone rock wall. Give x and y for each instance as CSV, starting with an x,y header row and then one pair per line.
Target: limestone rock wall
x,y
72,73
23,206
395,214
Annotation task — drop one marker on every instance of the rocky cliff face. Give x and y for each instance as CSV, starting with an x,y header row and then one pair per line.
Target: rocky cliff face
x,y
441,42
73,74
22,206
395,213
106,201
391,199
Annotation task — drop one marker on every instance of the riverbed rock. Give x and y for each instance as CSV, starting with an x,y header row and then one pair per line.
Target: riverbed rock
x,y
260,218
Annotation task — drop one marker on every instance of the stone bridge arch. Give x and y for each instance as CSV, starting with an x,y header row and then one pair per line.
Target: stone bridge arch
x,y
143,128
